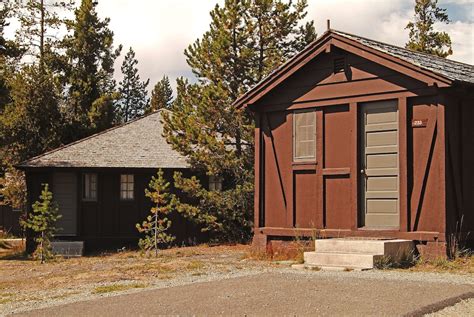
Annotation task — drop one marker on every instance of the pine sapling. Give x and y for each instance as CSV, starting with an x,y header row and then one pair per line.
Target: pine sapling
x,y
42,221
156,225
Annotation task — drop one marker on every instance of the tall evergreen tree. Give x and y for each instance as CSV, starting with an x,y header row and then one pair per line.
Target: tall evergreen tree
x,y
423,38
40,20
247,39
10,54
133,94
31,122
161,95
89,74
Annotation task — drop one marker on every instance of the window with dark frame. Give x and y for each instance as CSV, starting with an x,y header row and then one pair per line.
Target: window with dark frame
x,y
215,183
304,136
127,187
89,190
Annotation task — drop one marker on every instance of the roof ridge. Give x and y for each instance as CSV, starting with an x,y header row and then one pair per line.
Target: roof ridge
x,y
400,47
64,146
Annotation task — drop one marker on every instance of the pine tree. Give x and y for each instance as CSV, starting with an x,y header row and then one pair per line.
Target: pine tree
x,y
42,221
31,123
10,54
247,39
40,20
133,94
89,73
423,38
157,223
161,95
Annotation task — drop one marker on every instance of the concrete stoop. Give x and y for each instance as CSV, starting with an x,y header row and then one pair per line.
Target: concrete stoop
x,y
68,248
351,254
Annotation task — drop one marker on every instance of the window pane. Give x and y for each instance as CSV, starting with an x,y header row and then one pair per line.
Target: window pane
x,y
90,186
304,138
126,186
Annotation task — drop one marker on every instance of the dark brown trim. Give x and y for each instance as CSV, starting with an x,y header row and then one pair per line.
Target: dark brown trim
x,y
402,161
319,169
334,101
337,171
425,154
341,233
258,174
272,141
354,165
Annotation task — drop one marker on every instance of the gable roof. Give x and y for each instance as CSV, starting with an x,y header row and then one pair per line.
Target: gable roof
x,y
455,71
135,144
439,69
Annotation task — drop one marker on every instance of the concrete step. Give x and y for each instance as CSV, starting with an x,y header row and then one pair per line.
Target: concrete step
x,y
68,248
356,253
343,260
394,248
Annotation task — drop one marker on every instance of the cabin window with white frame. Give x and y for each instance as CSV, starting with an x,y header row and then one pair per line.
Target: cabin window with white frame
x,y
127,186
89,191
304,136
215,183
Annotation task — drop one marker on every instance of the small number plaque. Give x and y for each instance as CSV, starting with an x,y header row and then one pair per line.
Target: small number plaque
x,y
419,123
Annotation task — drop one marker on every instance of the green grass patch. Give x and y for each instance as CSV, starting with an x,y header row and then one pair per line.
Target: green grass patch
x,y
116,288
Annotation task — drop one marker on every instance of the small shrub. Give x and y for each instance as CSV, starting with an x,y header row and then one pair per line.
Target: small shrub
x,y
383,262
42,221
156,224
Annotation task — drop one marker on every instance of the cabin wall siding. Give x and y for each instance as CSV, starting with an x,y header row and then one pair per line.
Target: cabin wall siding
x,y
110,221
325,195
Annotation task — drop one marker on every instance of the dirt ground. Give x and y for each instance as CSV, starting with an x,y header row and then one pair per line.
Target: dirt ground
x,y
25,282
197,273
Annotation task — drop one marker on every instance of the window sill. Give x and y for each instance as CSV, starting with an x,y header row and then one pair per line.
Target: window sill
x,y
302,166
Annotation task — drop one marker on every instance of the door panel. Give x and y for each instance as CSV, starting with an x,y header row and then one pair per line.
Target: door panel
x,y
380,170
65,194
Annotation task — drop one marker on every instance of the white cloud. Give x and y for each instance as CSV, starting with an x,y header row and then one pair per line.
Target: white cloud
x,y
160,30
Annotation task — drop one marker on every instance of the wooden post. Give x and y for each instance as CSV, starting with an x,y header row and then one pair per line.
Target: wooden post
x,y
257,167
402,154
354,166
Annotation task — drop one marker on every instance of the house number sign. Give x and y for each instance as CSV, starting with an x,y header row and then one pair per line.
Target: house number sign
x,y
419,123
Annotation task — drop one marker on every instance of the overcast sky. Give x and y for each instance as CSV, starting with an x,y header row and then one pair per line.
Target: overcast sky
x,y
160,30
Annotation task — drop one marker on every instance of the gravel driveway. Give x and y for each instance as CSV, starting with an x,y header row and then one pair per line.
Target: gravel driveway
x,y
286,292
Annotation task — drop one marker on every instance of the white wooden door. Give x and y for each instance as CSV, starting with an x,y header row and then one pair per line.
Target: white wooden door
x,y
380,164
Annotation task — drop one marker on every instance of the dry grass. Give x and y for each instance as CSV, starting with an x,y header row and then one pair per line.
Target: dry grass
x,y
460,265
28,280
117,288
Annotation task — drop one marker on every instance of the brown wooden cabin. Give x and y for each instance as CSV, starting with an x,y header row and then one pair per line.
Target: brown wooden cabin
x,y
358,138
99,183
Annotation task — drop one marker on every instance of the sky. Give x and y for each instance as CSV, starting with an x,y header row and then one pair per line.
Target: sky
x,y
160,30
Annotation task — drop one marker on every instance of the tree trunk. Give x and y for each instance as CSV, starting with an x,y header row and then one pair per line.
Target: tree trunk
x,y
156,234
42,31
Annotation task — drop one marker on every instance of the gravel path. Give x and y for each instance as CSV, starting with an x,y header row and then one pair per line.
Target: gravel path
x,y
278,291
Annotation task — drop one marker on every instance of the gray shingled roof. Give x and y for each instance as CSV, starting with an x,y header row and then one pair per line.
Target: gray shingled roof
x,y
450,69
136,144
